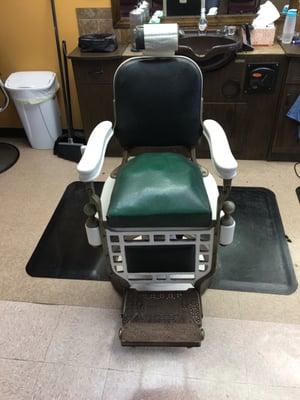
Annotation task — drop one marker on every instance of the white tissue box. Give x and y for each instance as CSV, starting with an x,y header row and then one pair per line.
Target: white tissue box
x,y
263,36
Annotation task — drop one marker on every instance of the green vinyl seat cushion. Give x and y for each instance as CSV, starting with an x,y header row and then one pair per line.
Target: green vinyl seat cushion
x,y
159,190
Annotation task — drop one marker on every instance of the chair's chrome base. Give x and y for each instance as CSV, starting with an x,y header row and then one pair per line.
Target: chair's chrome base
x,y
198,243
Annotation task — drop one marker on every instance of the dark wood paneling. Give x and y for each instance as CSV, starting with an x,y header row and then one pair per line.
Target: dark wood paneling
x,y
262,111
285,144
225,84
286,140
232,117
293,75
96,72
96,105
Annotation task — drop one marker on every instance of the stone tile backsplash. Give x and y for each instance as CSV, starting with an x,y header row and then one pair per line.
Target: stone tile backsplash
x,y
86,26
93,13
99,20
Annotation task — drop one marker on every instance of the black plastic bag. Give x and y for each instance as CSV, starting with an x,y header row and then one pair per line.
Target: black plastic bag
x,y
98,42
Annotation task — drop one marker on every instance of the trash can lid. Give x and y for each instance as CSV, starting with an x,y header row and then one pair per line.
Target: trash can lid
x,y
30,80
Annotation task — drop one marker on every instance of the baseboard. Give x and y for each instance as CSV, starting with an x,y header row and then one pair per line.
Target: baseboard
x,y
20,132
284,157
12,133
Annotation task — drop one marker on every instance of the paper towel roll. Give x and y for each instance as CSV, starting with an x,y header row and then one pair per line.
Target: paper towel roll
x,y
161,39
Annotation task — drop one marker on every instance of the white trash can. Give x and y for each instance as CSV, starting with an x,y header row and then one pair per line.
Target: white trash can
x,y
34,95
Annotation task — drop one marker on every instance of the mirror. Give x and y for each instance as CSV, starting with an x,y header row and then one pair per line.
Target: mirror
x,y
173,8
186,12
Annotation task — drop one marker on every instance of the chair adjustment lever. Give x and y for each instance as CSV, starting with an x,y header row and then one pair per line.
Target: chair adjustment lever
x,y
92,222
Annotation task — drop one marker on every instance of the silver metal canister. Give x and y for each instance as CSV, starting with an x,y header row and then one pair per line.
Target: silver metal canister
x,y
136,17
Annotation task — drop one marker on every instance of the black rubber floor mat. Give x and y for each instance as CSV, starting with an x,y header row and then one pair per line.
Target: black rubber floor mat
x,y
162,319
298,193
63,250
9,155
259,259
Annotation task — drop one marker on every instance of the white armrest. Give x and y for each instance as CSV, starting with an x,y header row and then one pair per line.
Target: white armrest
x,y
91,162
222,158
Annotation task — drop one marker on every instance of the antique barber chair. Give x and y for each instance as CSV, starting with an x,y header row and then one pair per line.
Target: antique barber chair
x,y
160,216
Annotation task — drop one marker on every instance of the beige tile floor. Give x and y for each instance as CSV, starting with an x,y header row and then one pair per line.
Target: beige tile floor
x,y
50,352
70,349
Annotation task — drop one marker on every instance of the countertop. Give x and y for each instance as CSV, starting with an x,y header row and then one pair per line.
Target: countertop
x,y
291,50
77,54
276,49
124,50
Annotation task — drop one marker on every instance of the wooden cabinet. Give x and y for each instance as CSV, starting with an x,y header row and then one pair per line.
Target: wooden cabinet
x,y
248,119
231,116
96,101
95,94
223,102
286,144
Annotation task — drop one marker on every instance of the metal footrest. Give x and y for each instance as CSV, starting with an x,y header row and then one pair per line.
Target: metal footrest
x,y
162,318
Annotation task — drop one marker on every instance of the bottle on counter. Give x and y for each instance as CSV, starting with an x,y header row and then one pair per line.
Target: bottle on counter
x,y
285,9
289,26
145,6
136,17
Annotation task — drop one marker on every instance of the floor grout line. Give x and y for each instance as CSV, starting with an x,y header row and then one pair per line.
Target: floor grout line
x,y
245,357
57,304
206,379
54,330
60,363
36,380
22,360
274,386
104,384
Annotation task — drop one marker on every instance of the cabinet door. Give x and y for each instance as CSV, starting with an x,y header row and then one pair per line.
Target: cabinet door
x,y
286,145
94,80
293,75
94,71
96,105
225,84
233,118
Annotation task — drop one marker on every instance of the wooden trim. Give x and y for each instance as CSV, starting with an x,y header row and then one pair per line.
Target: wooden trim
x,y
220,20
115,11
288,156
293,4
